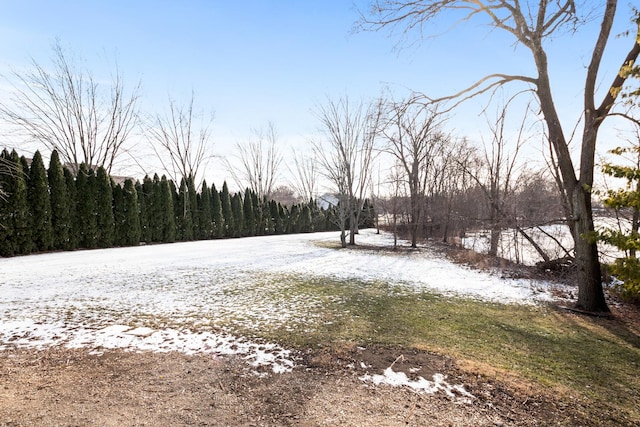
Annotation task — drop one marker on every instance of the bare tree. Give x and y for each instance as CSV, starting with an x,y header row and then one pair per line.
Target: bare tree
x,y
260,161
499,169
66,110
415,139
532,24
181,139
305,175
346,158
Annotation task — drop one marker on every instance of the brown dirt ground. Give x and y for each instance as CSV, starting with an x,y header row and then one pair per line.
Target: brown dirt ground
x,y
60,386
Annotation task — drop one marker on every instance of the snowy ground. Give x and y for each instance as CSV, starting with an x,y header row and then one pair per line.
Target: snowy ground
x,y
555,239
179,297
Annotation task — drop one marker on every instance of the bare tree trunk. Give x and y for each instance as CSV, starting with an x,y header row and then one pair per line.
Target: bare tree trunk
x,y
591,295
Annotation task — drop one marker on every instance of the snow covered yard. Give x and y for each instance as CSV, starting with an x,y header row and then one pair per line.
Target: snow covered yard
x,y
203,297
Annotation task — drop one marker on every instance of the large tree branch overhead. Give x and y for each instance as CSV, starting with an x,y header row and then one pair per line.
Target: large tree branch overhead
x,y
532,23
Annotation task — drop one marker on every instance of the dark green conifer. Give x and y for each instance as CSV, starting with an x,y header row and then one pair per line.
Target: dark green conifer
x,y
156,217
184,223
216,213
145,200
305,220
39,205
7,182
227,212
119,219
168,215
86,207
72,195
104,209
60,205
249,228
22,220
238,217
193,208
204,212
131,211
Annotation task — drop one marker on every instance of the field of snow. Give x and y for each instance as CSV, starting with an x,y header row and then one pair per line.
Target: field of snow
x,y
194,297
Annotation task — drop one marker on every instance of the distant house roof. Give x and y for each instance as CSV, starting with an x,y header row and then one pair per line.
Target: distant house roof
x,y
327,200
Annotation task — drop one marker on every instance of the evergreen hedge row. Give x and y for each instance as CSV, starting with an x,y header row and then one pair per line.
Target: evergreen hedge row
x,y
53,209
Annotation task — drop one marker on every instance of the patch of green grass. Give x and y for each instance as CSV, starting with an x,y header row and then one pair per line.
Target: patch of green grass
x,y
596,360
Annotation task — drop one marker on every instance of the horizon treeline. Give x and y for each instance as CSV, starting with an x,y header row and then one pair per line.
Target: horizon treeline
x,y
46,209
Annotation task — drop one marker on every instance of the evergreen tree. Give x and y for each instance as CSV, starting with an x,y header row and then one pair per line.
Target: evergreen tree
x,y
104,209
154,207
72,197
24,163
7,210
148,218
270,213
368,215
249,228
177,209
238,219
86,207
281,220
131,212
166,205
143,220
39,205
120,228
258,215
184,223
22,220
294,220
204,211
193,208
227,212
306,224
60,205
216,213
627,239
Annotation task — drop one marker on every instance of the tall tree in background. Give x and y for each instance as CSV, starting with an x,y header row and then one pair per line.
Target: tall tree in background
x,y
60,204
531,24
496,175
305,175
65,108
260,162
181,139
346,156
40,205
414,138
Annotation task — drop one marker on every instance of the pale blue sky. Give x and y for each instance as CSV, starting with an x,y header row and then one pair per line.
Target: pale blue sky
x,y
256,61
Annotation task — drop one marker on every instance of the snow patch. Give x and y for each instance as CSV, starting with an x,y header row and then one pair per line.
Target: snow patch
x,y
420,385
173,297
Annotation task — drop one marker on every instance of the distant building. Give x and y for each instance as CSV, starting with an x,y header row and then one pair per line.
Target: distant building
x,y
327,200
